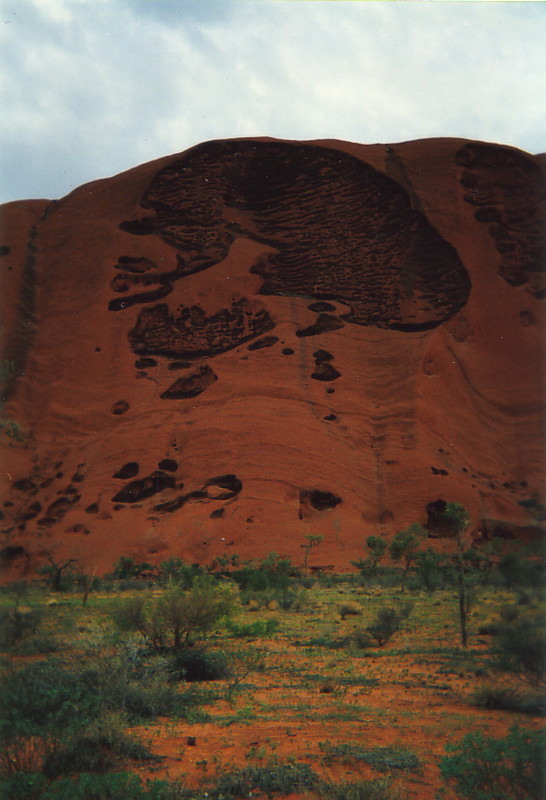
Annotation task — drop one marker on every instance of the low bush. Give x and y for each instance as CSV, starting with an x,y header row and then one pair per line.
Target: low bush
x,y
383,759
198,665
507,698
387,623
252,630
178,616
520,646
378,789
17,625
90,786
349,610
273,572
271,780
99,748
483,768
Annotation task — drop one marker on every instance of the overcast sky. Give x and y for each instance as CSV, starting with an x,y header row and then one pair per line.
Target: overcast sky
x,y
90,88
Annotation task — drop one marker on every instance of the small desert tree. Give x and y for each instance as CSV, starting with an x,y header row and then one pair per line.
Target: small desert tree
x,y
429,566
59,575
406,543
179,615
376,550
457,519
311,541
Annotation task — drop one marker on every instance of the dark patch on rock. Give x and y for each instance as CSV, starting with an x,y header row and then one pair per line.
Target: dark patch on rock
x,y
330,417
78,528
325,372
173,505
59,507
168,464
287,351
527,318
229,482
218,514
179,365
189,333
4,250
509,189
120,407
320,501
92,509
322,356
498,529
143,488
11,552
47,522
138,227
324,323
127,471
436,525
190,386
78,477
144,363
259,344
33,511
135,265
25,485
321,306
438,471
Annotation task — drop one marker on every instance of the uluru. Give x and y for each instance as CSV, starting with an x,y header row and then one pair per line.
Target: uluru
x,y
232,348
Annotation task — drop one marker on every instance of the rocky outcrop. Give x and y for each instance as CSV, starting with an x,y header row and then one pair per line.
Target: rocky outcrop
x,y
233,347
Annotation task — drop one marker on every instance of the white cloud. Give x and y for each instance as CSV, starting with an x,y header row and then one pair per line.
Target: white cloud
x,y
93,87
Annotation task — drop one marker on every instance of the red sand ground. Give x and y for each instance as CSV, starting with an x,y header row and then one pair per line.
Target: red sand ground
x,y
418,377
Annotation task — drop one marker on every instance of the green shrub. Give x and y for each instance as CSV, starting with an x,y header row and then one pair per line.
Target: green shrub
x,y
273,572
99,748
387,622
287,599
378,789
483,768
18,624
23,786
45,696
381,758
507,698
272,779
114,786
178,616
198,665
349,609
125,567
520,646
252,630
174,570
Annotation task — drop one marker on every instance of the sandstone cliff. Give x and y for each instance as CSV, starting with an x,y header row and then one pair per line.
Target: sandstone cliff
x,y
228,349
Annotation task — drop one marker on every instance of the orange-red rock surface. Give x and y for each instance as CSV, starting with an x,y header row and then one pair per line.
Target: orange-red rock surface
x,y
229,349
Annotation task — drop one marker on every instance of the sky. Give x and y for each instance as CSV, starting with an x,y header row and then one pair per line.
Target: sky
x,y
90,88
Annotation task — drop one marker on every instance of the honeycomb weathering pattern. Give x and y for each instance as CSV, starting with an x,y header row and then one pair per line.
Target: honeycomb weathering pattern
x,y
509,190
341,229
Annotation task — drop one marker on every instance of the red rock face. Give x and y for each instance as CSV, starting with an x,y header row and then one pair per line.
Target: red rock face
x,y
231,348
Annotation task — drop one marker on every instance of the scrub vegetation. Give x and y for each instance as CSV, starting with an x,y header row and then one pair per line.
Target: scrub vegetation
x,y
423,679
